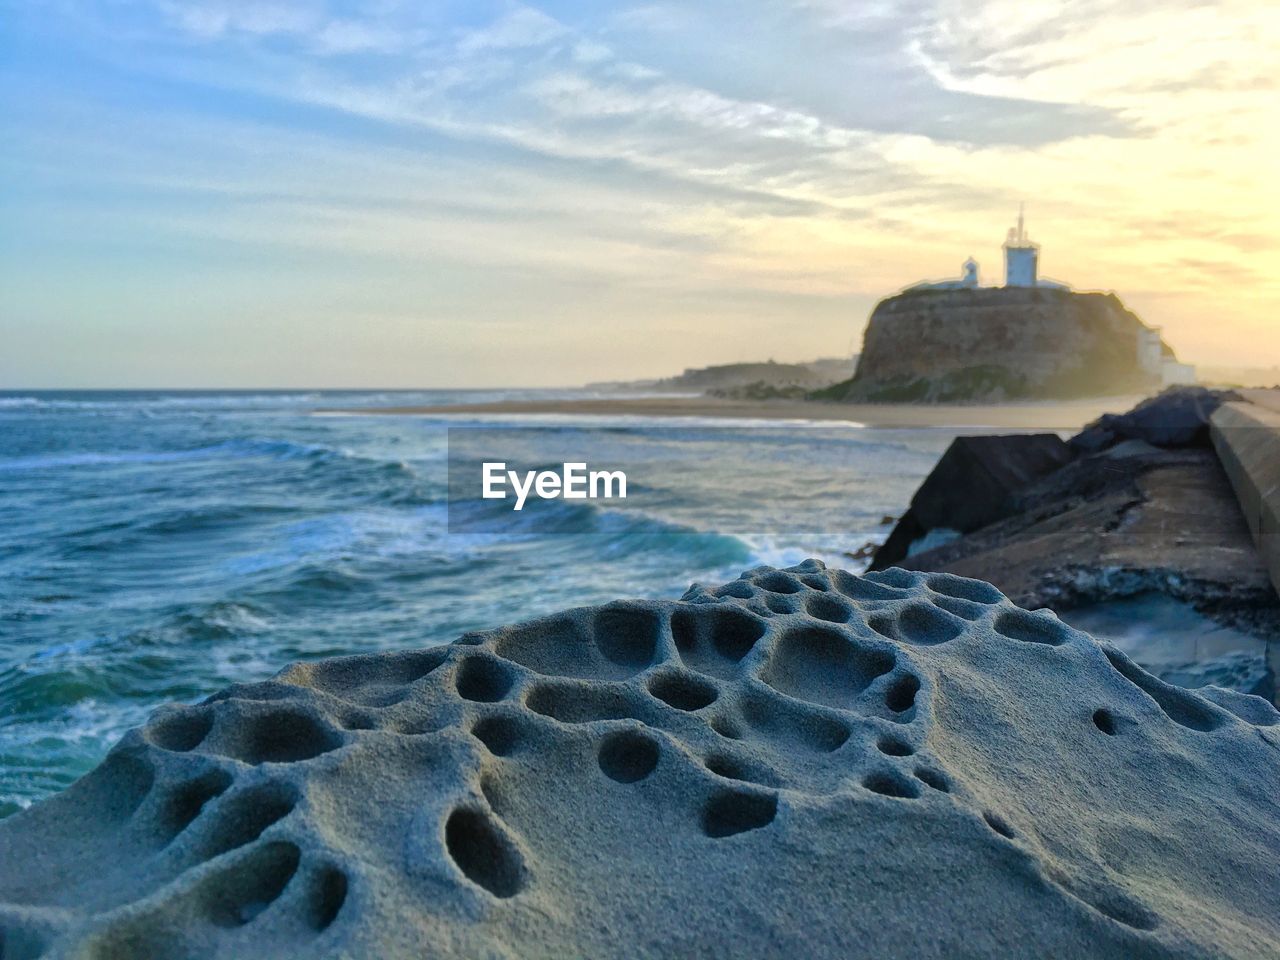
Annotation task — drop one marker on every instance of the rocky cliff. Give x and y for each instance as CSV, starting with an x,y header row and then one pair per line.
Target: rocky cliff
x,y
997,343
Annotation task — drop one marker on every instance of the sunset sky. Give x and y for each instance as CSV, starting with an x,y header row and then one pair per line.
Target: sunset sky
x,y
417,194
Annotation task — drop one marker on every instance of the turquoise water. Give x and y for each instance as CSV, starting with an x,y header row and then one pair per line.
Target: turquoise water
x,y
158,546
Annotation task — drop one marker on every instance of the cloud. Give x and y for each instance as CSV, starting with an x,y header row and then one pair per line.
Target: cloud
x,y
811,148
522,28
353,36
218,18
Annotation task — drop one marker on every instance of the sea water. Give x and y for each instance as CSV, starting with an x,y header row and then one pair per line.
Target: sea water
x,y
158,546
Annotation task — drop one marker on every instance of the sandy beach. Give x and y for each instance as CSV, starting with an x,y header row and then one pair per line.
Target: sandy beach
x,y
1040,415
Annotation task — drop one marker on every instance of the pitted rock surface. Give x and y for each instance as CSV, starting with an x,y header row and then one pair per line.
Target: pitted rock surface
x,y
797,762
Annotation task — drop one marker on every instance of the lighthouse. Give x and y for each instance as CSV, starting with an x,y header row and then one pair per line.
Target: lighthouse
x,y
1021,256
1021,266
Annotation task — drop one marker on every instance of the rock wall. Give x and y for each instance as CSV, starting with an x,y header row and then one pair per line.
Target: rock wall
x,y
1247,438
994,344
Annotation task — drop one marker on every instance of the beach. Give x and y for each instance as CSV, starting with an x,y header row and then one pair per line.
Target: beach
x,y
1037,415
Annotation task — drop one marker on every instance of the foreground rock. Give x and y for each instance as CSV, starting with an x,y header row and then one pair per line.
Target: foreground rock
x,y
798,763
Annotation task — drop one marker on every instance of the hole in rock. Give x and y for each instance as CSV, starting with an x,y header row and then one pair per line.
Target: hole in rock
x,y
732,811
1181,706
328,894
350,677
734,633
358,721
740,589
925,625
859,588
965,609
791,726
183,732
780,604
822,665
1030,628
500,735
627,635
893,747
288,737
975,591
726,767
725,728
932,778
901,697
1105,721
682,691
779,582
582,704
891,785
242,817
895,577
731,768
283,736
1108,900
187,800
484,855
706,634
558,646
628,756
884,624
998,824
826,607
246,888
1122,909
482,680
414,726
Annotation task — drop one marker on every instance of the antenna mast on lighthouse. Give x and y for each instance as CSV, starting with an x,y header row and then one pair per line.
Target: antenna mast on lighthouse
x,y
1021,256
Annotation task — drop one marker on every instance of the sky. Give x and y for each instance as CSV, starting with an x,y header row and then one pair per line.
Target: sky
x,y
376,193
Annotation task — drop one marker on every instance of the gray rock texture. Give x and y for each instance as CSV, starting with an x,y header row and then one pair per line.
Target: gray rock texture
x,y
797,763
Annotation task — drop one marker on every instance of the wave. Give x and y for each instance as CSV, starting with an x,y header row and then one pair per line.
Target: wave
x,y
612,530
234,449
92,459
142,401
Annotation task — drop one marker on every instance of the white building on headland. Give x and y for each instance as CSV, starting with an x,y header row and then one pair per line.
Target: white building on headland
x,y
1021,257
1152,359
1022,269
1021,266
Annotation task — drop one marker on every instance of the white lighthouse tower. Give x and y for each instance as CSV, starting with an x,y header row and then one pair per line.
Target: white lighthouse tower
x,y
1021,256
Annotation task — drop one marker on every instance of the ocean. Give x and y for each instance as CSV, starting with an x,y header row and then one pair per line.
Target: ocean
x,y
157,546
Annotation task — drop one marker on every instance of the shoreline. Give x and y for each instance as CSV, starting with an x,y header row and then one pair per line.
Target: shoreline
x,y
1027,415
